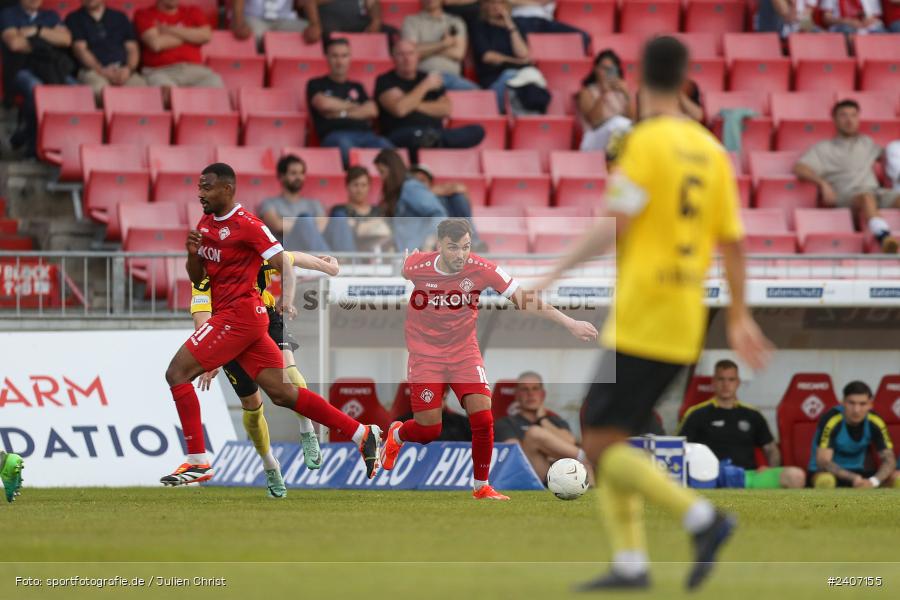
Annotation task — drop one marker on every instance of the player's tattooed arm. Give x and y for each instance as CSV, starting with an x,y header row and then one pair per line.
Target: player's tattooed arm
x,y
773,456
530,301
195,269
824,459
888,465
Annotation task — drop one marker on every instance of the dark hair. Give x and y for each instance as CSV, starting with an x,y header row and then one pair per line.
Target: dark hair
x,y
604,54
455,229
534,374
285,162
355,172
221,171
857,387
664,64
334,41
845,103
725,364
393,183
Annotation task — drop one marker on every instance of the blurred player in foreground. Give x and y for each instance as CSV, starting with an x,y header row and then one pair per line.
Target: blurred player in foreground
x,y
11,466
673,198
229,248
443,348
251,402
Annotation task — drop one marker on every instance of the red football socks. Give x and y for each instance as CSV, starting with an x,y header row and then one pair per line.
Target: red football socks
x,y
188,407
316,408
411,431
482,424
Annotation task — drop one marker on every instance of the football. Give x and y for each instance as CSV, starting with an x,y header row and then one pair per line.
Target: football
x,y
567,479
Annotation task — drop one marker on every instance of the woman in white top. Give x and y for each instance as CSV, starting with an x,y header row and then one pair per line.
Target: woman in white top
x,y
604,104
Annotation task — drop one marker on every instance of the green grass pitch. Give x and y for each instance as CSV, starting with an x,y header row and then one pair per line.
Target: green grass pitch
x,y
347,544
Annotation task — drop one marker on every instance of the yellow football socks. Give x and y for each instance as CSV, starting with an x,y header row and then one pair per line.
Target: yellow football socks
x,y
257,430
297,379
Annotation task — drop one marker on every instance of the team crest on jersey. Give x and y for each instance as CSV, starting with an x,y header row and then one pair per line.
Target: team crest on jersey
x,y
224,233
466,285
427,396
744,425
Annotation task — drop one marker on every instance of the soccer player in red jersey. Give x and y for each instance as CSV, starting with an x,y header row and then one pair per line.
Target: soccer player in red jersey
x,y
443,347
229,248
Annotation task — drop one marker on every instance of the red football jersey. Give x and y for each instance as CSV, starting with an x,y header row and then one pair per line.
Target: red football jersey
x,y
232,251
443,309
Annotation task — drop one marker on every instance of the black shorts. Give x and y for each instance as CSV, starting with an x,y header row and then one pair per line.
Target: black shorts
x,y
628,402
241,383
841,483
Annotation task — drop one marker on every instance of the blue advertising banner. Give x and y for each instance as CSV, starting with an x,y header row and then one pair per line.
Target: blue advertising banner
x,y
437,466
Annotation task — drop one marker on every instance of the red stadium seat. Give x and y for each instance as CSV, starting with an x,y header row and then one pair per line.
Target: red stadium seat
x,y
702,44
149,215
798,106
175,171
883,132
755,62
270,117
506,220
708,74
807,398
401,405
191,213
827,231
203,116
503,396
279,44
61,7
800,135
757,134
592,16
715,16
253,188
579,178
879,62
321,161
292,62
367,70
368,45
649,17
394,11
887,405
699,389
67,118
516,177
565,75
457,166
357,397
239,71
806,46
112,175
479,107
543,134
777,187
767,232
554,230
253,160
129,6
157,273
223,43
628,46
365,157
505,243
136,115
821,62
876,106
555,46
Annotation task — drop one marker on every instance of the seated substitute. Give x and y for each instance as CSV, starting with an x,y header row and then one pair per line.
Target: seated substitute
x,y
734,430
842,442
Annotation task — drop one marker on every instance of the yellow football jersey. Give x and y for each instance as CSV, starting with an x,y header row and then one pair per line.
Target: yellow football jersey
x,y
201,294
675,181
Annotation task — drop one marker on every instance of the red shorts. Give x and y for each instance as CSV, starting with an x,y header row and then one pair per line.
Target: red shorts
x,y
429,377
241,335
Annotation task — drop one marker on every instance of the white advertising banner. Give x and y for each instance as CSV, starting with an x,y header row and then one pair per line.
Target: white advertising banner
x,y
92,408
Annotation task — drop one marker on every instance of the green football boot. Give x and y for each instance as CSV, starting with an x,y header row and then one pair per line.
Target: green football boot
x,y
275,483
312,454
11,466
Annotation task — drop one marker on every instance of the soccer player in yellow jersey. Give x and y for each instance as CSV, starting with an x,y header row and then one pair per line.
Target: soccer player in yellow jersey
x,y
673,197
253,418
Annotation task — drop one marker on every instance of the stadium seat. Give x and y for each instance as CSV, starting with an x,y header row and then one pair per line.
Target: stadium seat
x,y
629,47
367,70
61,7
649,17
878,57
702,44
801,119
827,231
801,135
239,71
708,74
224,44
543,134
149,215
593,16
555,46
368,45
505,243
175,171
157,273
113,175
887,405
776,186
579,178
699,389
715,16
293,71
565,75
821,62
755,62
766,232
508,220
515,177
67,118
757,134
191,213
203,116
479,108
882,132
253,188
874,106
365,157
394,11
129,6
321,161
136,115
357,397
503,396
807,398
270,117
252,160
554,230
457,166
401,405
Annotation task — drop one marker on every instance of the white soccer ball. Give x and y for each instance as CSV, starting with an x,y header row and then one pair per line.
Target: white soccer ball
x,y
567,479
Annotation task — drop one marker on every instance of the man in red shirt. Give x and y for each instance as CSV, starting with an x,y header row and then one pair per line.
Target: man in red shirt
x,y
890,9
171,36
443,347
229,248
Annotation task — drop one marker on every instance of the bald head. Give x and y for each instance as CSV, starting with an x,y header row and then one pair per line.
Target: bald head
x,y
406,59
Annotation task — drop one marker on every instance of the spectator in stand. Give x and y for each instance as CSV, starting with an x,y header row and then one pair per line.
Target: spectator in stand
x,y
545,437
536,16
892,164
603,102
842,169
890,9
341,109
347,16
691,101
417,209
734,430
171,35
440,40
32,43
413,105
852,16
499,48
467,10
256,17
368,227
104,44
842,441
795,16
455,198
299,222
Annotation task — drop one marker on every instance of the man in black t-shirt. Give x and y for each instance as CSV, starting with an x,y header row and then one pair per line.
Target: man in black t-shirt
x,y
413,105
341,109
545,437
104,43
734,430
